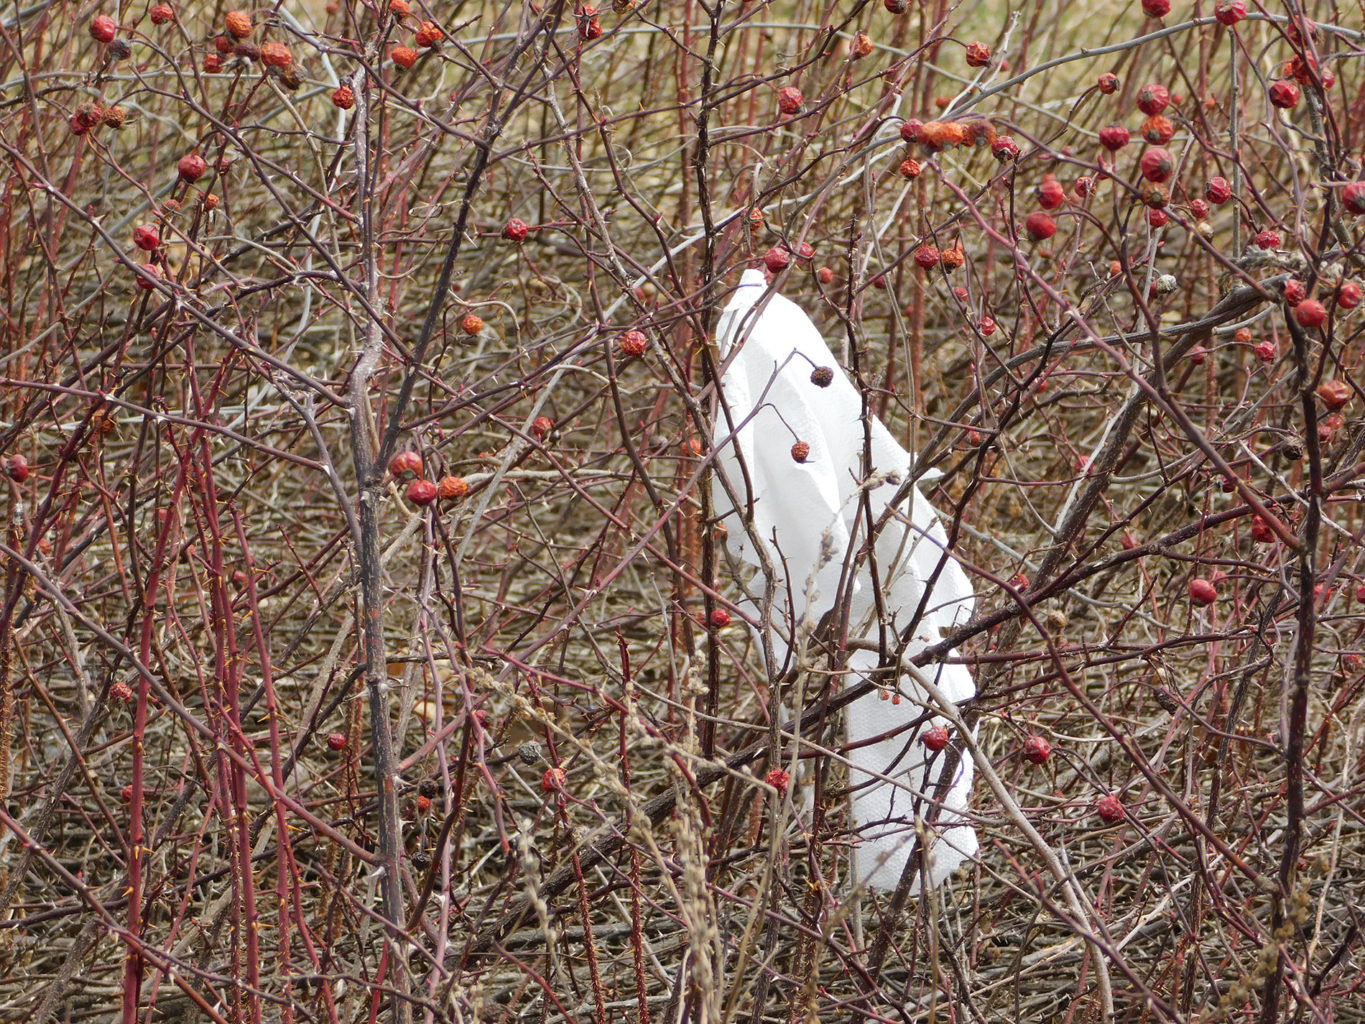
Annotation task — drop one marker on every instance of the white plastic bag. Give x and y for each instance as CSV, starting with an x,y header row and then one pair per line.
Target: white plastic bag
x,y
806,515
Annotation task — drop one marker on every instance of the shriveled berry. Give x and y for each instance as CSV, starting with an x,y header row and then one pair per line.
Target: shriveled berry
x,y
1157,164
1199,208
191,167
1158,219
403,56
910,168
1261,532
103,28
541,427
400,8
1110,808
822,376
89,114
405,464
1158,129
115,116
926,257
896,6
471,324
1155,196
148,282
161,13
515,230
861,46
336,741
1037,750
911,129
986,325
1284,95
1334,393
343,97
1230,12
1153,98
1268,238
951,258
779,779
1156,8
213,63
238,23
935,738
1040,226
1349,295
776,259
1310,313
1114,137
145,237
978,55
1266,351
429,34
16,468
452,488
276,55
634,343
553,780
800,451
1004,148
1202,592
1108,83
824,275
719,618
1294,291
121,692
789,100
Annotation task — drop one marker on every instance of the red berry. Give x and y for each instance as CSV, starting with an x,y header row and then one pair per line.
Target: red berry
x,y
1004,148
1349,295
1157,164
1158,129
1284,95
589,24
778,779
161,13
1040,226
423,804
1050,193
978,55
1360,593
1217,190
515,230
789,100
776,259
405,464
1198,354
1202,592
1294,291
1261,532
1109,808
1114,137
896,6
719,618
1199,208
336,741
421,492
191,167
1108,83
800,451
553,780
121,692
343,97
1037,750
541,427
1310,313
1158,218
213,63
634,343
145,237
1230,12
1268,238
16,467
824,275
404,56
1353,198
1334,393
1153,98
935,738
1156,8
926,257
986,326
1084,187
147,279
451,488
1266,351
910,130
103,28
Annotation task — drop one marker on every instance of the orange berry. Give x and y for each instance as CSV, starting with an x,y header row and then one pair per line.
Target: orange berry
x,y
238,24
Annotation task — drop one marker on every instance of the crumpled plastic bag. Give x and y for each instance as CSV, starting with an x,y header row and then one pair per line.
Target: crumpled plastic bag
x,y
807,517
